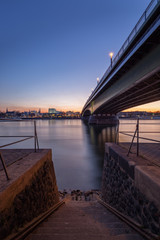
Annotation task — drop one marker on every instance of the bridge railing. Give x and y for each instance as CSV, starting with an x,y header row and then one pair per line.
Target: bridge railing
x,y
25,138
128,41
135,135
136,29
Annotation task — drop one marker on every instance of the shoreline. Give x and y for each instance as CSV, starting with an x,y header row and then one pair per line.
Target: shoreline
x,y
68,118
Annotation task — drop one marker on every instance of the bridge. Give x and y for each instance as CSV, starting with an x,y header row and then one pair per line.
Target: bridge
x,y
133,78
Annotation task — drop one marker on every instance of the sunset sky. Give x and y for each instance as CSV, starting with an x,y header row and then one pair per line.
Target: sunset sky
x,y
51,52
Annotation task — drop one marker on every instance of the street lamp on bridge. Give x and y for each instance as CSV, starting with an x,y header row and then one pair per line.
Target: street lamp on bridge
x,y
111,55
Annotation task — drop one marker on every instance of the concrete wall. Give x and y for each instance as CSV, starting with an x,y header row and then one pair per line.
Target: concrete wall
x,y
31,190
132,187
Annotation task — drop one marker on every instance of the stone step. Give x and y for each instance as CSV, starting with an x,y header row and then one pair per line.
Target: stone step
x,y
83,220
79,236
84,236
128,237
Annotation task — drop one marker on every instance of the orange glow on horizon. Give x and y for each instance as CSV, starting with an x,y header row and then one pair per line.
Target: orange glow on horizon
x,y
149,107
43,110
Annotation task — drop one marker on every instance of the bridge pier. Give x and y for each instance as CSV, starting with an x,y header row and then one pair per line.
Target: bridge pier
x,y
85,119
103,119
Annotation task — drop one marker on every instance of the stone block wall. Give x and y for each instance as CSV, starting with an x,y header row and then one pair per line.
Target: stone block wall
x,y
33,192
119,189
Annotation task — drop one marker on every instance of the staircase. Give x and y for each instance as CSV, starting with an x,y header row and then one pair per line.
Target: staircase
x,y
82,217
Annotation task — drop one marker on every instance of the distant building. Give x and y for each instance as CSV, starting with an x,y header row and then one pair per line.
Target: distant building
x,y
135,114
69,113
52,110
33,111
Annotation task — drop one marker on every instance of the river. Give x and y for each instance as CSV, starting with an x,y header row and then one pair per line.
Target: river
x,y
77,149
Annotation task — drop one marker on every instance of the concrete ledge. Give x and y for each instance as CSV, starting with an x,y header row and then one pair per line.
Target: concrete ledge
x,y
132,186
20,173
128,166
31,191
119,154
147,180
146,176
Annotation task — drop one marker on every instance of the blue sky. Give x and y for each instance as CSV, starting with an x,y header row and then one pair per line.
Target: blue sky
x,y
52,51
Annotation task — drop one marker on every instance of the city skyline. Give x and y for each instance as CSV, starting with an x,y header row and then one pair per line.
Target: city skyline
x,y
34,110
53,52
154,108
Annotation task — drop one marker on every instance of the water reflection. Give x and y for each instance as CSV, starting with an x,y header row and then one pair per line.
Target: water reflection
x,y
77,148
98,135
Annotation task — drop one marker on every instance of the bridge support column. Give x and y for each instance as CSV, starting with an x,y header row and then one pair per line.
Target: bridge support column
x,y
85,119
103,119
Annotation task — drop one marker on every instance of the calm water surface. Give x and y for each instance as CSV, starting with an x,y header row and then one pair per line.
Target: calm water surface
x,y
77,149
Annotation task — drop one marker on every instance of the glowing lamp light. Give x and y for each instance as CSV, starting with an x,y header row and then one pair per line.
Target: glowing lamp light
x,y
97,79
111,55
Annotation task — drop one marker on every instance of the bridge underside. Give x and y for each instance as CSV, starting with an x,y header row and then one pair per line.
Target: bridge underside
x,y
143,92
134,79
136,83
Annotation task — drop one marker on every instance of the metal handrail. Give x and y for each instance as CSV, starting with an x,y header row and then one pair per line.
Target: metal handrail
x,y
135,135
36,145
6,145
139,132
128,41
135,30
149,139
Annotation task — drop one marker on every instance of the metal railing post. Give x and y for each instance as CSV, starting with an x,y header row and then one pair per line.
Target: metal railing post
x,y
36,143
132,142
36,146
37,139
137,136
117,135
35,136
4,166
145,15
